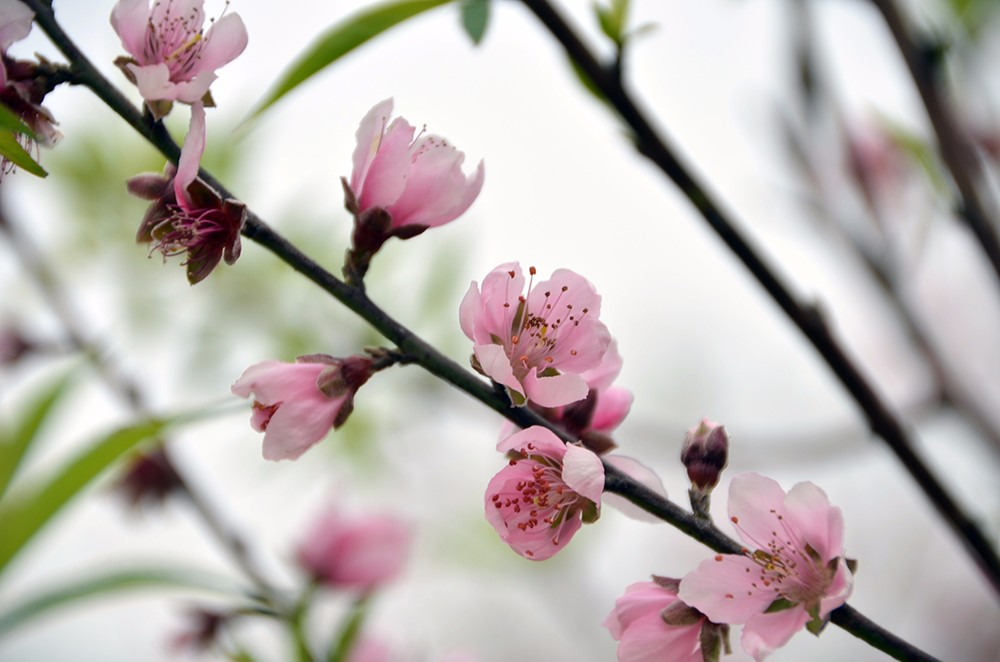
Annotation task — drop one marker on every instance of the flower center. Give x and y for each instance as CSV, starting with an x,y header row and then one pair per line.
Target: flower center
x,y
538,337
787,565
176,40
184,231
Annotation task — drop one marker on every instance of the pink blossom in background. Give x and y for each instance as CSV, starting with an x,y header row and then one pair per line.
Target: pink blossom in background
x,y
173,57
637,624
291,405
541,498
358,553
536,344
15,24
795,565
417,180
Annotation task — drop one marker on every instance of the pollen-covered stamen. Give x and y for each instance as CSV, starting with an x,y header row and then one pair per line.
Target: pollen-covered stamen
x,y
185,231
785,566
176,40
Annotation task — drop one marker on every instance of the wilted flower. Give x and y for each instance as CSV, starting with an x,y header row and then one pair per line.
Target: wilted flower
x,y
149,478
794,573
652,625
542,497
355,553
537,344
173,58
186,215
296,404
401,185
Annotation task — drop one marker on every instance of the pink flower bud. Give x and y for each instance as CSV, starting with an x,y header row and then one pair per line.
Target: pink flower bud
x,y
361,553
296,404
705,454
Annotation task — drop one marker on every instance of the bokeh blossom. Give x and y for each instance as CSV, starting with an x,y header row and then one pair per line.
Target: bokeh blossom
x,y
172,57
402,184
296,404
793,574
538,344
542,497
359,553
651,624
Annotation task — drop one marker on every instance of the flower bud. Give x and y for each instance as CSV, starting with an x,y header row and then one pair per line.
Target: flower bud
x,y
705,454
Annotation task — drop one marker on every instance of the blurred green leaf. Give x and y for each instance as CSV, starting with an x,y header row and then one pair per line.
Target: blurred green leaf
x,y
475,17
612,19
342,39
26,510
14,448
11,150
11,122
92,586
587,82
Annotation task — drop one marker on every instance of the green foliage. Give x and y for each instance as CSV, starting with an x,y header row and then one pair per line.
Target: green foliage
x,y
341,40
15,446
96,586
10,127
612,19
475,18
24,511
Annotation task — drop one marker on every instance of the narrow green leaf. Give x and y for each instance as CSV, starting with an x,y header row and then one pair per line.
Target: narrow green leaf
x,y
11,122
475,17
14,448
96,586
342,39
11,150
24,512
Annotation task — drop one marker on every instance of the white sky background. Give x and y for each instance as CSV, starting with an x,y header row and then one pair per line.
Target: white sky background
x,y
563,189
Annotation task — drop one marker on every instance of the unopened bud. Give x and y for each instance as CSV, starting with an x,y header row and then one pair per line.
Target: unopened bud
x,y
705,454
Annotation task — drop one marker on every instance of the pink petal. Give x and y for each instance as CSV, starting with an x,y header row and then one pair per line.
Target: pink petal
x,y
819,524
271,382
224,41
603,376
640,473
722,588
297,425
752,498
765,633
583,472
130,19
192,91
494,362
553,391
387,173
368,137
153,82
612,407
469,311
191,152
542,440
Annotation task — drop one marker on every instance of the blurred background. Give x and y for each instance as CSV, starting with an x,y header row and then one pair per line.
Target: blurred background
x,y
832,175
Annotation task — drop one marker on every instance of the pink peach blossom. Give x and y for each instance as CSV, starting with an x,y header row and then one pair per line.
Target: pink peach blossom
x,y
15,24
793,574
418,181
638,624
359,553
173,57
541,498
536,344
296,404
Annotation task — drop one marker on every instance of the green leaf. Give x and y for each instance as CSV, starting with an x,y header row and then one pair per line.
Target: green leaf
x,y
341,40
11,150
350,628
96,586
24,512
11,122
612,20
475,17
14,448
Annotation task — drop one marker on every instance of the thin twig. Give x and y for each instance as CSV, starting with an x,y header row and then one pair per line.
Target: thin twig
x,y
882,421
953,144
